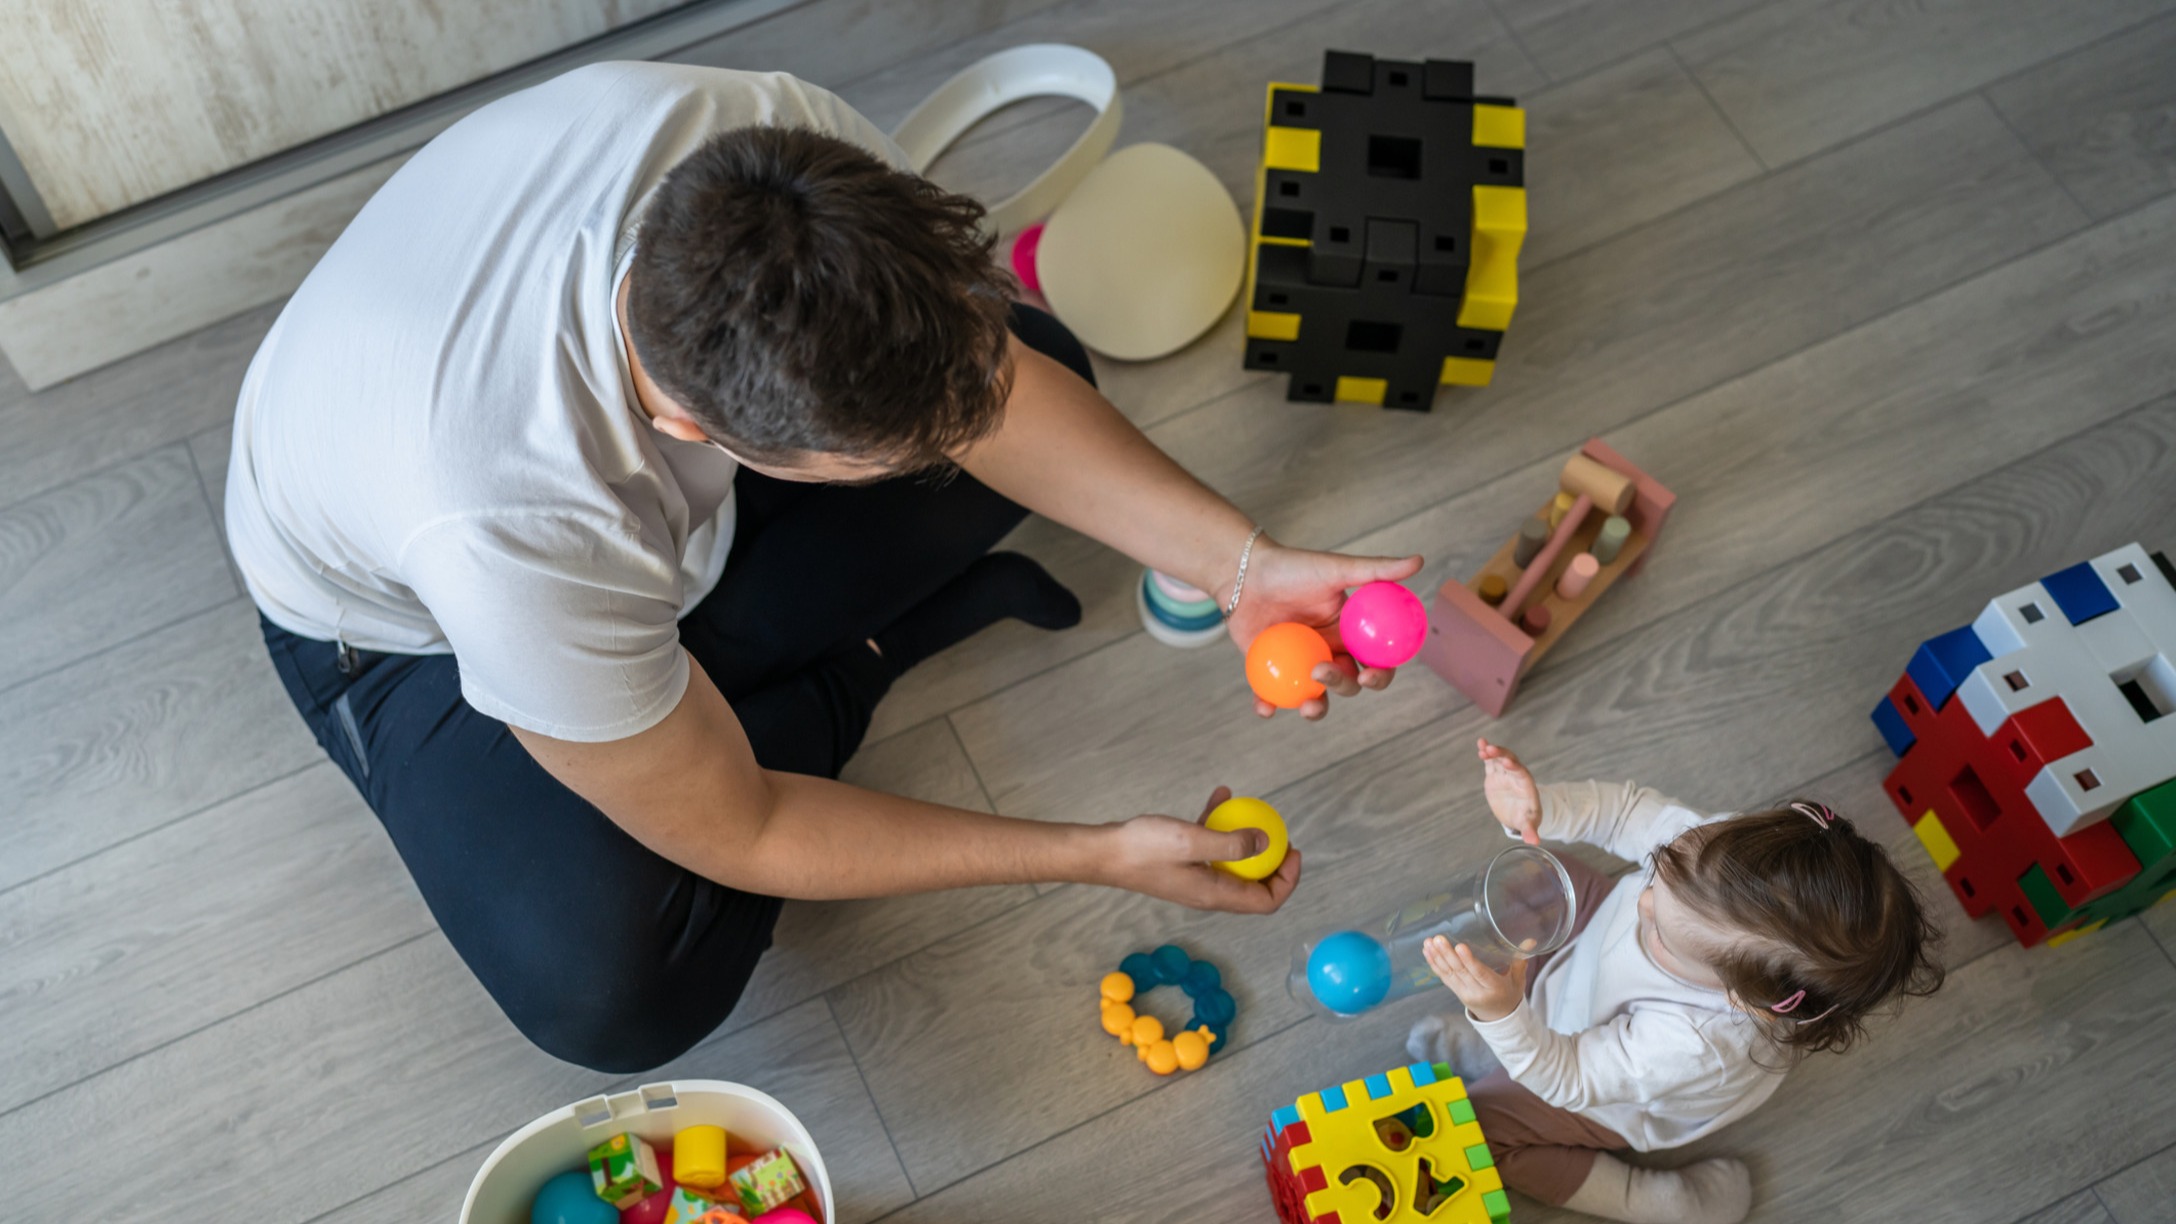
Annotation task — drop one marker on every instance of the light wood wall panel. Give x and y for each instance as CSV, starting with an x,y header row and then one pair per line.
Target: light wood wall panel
x,y
111,102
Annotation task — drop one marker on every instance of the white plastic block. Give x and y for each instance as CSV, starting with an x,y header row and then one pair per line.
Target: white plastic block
x,y
2001,626
2116,642
2039,654
1988,697
2150,600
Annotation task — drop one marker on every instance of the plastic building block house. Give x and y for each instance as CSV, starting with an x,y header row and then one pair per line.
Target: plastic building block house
x,y
1401,1147
1388,213
2036,748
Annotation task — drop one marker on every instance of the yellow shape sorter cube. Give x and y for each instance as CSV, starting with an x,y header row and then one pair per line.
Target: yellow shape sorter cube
x,y
1401,1147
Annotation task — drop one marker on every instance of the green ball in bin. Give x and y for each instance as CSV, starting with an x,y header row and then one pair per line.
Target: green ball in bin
x,y
570,1199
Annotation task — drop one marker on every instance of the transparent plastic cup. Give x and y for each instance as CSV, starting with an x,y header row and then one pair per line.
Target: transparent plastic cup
x,y
1518,906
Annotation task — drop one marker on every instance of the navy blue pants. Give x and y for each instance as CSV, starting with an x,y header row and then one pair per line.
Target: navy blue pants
x,y
600,951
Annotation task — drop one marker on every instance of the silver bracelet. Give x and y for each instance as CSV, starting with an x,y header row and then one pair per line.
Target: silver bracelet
x,y
1240,583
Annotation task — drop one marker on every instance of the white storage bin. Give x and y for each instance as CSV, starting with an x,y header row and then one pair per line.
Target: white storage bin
x,y
561,1139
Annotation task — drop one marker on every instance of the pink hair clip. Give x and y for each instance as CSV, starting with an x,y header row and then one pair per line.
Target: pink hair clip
x,y
1797,997
1821,816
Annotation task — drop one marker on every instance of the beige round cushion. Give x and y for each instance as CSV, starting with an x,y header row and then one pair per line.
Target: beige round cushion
x,y
1145,255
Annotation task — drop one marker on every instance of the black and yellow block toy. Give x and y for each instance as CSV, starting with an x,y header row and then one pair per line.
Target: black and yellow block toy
x,y
1388,213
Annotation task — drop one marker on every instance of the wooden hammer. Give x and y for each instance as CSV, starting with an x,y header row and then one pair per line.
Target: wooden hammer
x,y
1593,484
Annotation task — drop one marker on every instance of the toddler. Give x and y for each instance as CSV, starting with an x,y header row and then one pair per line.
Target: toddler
x,y
1689,986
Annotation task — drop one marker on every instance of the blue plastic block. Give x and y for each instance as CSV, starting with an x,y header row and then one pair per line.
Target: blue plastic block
x,y
1423,1074
2080,593
1141,967
1333,1099
1892,728
1282,1118
1171,964
1378,1087
1941,663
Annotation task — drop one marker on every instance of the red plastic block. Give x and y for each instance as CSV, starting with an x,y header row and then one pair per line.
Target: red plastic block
x,y
1972,784
2037,735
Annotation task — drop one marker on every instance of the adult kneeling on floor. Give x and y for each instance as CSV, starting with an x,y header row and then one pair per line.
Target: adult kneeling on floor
x,y
609,468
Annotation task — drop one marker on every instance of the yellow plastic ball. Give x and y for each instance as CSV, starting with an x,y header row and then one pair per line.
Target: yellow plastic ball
x,y
1147,1030
1117,987
1118,1020
1241,813
1162,1057
1191,1049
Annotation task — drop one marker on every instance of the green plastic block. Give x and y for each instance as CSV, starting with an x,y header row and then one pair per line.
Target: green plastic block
x,y
1444,1071
1477,1157
2147,824
1498,1205
1461,1112
2046,902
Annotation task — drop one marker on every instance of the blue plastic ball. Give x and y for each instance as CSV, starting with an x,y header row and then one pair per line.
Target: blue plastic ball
x,y
569,1198
1141,967
1172,962
1349,973
1201,979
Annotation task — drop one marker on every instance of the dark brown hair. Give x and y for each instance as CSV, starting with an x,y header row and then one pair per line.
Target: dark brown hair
x,y
796,295
1819,909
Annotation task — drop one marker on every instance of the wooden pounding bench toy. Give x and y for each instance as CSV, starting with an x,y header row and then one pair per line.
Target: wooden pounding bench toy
x,y
1487,632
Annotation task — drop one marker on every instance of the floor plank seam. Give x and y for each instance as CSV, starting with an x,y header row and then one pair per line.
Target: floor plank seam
x,y
1138,1097
477,1152
169,823
1720,113
972,768
1987,96
1512,32
204,488
2115,1173
855,1058
208,1025
117,644
1960,95
102,469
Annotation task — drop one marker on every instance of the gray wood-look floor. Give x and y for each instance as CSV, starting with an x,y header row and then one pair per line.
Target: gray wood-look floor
x,y
1885,290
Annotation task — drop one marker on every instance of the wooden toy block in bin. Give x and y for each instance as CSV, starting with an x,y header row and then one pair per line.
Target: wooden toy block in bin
x,y
1477,644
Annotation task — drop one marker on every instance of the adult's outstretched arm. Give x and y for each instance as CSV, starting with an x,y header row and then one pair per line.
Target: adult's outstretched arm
x,y
690,789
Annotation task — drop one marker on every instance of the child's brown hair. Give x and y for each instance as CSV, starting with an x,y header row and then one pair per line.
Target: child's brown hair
x,y
1831,929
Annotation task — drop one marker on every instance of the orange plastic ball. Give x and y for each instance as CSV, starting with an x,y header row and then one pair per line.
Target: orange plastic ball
x,y
1117,1019
1281,664
1162,1057
1117,987
1191,1049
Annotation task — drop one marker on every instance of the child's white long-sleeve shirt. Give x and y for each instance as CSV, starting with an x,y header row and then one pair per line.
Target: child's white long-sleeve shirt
x,y
1605,1032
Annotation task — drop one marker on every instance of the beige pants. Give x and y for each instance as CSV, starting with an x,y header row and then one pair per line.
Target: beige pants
x,y
1543,1151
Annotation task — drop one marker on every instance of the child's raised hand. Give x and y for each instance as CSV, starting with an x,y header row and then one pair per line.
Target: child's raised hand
x,y
1487,994
1511,793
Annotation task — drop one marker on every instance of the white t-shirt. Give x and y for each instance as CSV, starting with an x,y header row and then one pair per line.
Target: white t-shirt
x,y
1606,1033
438,449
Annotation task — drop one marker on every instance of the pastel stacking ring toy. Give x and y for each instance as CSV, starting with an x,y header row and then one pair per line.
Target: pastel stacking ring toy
x,y
1177,614
1190,1047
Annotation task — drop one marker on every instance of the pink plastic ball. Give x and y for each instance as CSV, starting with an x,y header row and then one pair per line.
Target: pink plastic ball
x,y
1383,625
1023,257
